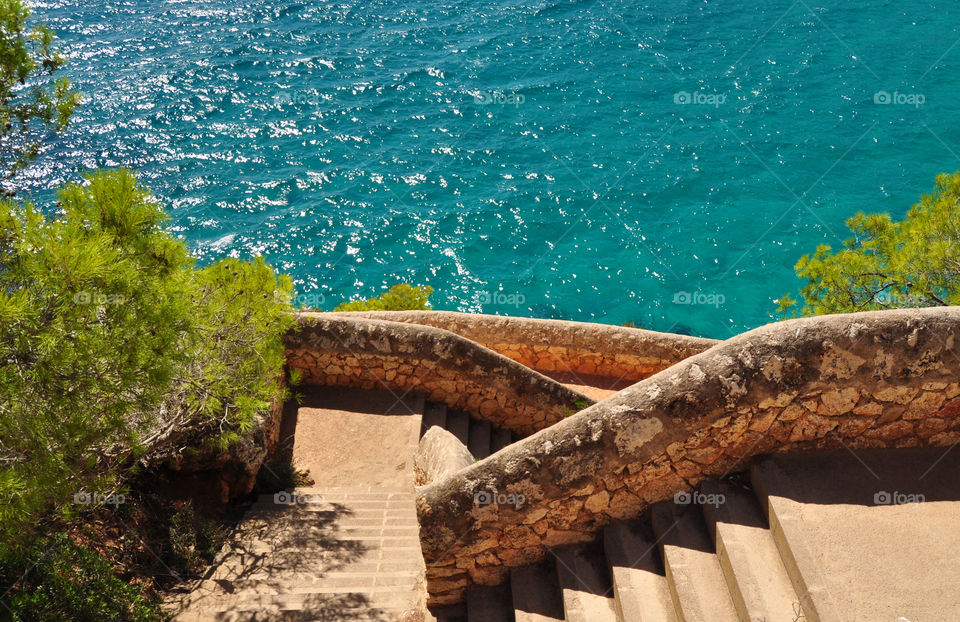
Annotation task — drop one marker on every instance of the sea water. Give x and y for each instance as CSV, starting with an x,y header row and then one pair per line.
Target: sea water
x,y
661,163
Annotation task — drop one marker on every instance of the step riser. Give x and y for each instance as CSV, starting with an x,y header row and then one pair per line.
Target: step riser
x,y
640,585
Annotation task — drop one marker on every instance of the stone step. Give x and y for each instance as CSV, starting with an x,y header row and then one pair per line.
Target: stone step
x,y
341,495
479,439
333,505
458,423
879,541
489,604
585,584
434,414
755,574
306,583
370,605
697,584
501,438
536,594
639,583
330,520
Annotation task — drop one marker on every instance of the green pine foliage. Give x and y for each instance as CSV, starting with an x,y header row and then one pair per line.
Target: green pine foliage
x,y
887,264
115,348
402,297
33,100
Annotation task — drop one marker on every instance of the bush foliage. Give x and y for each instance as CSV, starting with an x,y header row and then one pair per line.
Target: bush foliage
x,y
889,264
65,582
115,348
33,102
402,297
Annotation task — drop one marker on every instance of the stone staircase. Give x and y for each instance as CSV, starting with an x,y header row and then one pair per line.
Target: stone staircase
x,y
835,537
799,538
346,548
350,553
480,437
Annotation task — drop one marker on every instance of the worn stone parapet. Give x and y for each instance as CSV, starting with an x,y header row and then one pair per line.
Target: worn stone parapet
x,y
439,454
583,348
334,350
878,379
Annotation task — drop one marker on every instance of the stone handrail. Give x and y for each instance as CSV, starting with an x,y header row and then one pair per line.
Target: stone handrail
x,y
583,348
338,350
878,379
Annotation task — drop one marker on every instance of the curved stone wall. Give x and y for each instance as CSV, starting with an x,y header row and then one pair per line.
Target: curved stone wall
x,y
583,348
333,350
879,379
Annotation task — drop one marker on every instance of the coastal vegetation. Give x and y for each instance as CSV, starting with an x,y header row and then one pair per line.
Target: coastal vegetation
x,y
119,353
116,351
888,263
401,297
34,101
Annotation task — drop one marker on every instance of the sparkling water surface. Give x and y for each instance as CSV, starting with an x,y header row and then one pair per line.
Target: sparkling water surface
x,y
664,163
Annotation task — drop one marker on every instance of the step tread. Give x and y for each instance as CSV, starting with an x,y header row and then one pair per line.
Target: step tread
x,y
697,584
756,577
536,594
206,606
489,604
849,553
639,582
584,581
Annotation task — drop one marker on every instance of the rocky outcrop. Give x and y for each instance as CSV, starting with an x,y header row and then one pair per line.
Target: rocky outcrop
x,y
439,454
233,471
338,350
582,348
879,379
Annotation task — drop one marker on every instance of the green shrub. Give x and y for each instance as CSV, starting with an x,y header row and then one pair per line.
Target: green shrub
x,y
889,264
114,348
402,297
69,583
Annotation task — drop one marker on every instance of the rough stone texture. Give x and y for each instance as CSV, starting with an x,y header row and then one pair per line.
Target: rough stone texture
x,y
338,350
879,379
439,454
234,470
560,346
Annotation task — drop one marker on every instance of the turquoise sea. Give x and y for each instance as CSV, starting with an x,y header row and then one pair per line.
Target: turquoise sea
x,y
664,163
